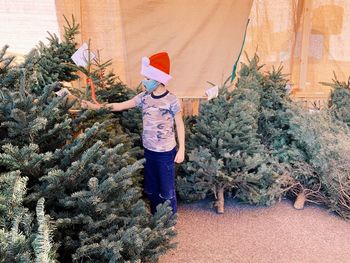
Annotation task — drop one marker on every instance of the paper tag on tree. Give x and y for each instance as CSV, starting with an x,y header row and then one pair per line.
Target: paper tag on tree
x,y
81,56
212,92
63,92
288,88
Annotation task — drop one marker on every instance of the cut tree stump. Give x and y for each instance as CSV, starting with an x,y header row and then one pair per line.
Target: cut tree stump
x,y
221,201
300,201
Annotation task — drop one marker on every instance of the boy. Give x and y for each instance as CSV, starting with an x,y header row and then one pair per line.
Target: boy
x,y
159,110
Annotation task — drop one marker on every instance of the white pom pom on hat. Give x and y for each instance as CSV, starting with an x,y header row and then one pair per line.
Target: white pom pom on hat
x,y
156,67
145,61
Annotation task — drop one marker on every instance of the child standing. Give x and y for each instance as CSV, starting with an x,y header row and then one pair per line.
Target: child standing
x,y
159,110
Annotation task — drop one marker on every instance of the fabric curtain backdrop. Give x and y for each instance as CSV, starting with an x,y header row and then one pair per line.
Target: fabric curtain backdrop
x,y
203,39
275,32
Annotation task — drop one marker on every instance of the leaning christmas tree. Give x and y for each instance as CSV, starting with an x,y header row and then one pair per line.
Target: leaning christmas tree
x,y
339,99
314,146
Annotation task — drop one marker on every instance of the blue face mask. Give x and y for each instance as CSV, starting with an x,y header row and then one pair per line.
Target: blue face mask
x,y
150,85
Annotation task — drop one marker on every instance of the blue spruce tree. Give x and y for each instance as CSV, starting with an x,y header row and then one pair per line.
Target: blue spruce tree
x,y
90,183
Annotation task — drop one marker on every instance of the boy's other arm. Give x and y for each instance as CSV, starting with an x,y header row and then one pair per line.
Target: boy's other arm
x,y
180,129
118,106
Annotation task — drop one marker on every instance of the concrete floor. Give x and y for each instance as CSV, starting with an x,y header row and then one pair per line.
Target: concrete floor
x,y
258,234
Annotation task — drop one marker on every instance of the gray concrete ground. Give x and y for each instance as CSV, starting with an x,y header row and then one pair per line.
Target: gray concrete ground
x,y
244,233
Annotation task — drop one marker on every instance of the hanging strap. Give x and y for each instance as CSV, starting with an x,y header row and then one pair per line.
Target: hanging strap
x,y
93,93
233,76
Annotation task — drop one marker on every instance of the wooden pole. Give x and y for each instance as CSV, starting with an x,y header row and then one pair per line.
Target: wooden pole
x,y
305,43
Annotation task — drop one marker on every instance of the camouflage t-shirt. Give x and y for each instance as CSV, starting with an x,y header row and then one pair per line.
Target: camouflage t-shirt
x,y
158,114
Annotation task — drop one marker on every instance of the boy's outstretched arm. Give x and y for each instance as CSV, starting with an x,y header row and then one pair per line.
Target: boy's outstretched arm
x,y
128,104
180,128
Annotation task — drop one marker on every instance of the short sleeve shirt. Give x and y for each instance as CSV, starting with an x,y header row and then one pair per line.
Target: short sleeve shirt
x,y
158,114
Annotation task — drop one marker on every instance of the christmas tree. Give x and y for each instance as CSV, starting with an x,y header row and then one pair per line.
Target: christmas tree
x,y
47,64
308,143
7,72
225,149
279,128
90,183
326,143
109,90
89,189
339,99
20,239
273,117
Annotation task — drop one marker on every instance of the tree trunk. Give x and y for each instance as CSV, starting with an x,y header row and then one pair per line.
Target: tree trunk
x,y
300,201
221,201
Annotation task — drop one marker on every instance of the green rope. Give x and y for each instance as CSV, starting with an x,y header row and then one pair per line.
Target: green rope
x,y
233,76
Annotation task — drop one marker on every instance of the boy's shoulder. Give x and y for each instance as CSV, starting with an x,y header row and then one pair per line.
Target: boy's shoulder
x,y
172,95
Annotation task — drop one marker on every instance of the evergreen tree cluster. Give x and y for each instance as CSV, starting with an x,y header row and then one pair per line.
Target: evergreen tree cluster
x,y
261,146
226,152
314,145
65,198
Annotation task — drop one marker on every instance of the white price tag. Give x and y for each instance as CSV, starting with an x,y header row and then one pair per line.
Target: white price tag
x,y
63,92
212,92
81,56
288,88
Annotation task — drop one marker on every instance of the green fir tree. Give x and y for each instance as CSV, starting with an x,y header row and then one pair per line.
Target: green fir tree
x,y
91,184
7,68
49,63
20,239
225,150
280,129
339,99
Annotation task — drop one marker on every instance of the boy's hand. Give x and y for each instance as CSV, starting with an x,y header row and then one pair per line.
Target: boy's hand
x,y
89,105
180,156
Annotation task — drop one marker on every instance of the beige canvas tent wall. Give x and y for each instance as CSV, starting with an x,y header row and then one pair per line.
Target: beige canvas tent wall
x,y
310,38
203,37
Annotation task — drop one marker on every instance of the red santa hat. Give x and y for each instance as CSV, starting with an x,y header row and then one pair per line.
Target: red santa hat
x,y
157,67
